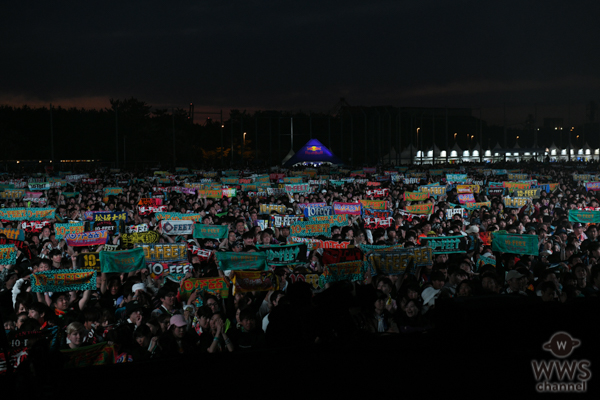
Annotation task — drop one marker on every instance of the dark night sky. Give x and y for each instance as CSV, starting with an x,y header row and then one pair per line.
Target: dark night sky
x,y
305,55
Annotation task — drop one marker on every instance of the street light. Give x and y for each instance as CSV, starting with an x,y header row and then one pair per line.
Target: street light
x,y
455,136
418,146
244,139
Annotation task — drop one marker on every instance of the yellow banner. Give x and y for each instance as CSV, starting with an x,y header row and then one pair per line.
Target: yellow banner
x,y
374,204
267,208
468,188
515,202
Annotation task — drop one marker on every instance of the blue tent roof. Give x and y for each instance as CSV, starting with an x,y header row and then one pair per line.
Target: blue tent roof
x,y
313,151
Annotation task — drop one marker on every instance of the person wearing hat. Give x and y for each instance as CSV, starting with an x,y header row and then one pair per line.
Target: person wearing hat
x,y
578,230
531,230
134,313
178,339
237,246
516,283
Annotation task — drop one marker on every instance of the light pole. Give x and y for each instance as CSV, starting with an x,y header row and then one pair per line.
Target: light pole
x,y
418,147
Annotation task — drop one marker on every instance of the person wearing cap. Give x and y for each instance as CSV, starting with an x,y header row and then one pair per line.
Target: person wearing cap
x,y
516,283
237,246
472,230
178,339
578,230
134,314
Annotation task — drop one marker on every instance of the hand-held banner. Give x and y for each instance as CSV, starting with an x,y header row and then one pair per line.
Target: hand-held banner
x,y
433,190
14,234
286,254
312,279
347,208
169,252
416,196
99,216
267,208
317,243
26,214
477,206
468,188
314,211
173,227
497,191
63,280
202,231
333,220
93,238
420,208
456,178
62,230
584,217
89,261
137,228
446,244
310,229
378,192
298,188
86,356
336,256
515,244
400,261
129,239
113,191
122,261
516,185
177,216
19,245
8,254
230,260
352,271
249,281
284,220
530,193
12,194
212,285
515,202
375,222
375,204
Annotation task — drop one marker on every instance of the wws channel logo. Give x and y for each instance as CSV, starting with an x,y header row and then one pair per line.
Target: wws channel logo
x,y
561,375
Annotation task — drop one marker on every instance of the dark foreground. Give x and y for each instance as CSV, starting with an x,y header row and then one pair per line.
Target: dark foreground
x,y
481,347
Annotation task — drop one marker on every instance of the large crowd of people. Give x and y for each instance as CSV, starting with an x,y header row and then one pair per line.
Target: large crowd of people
x,y
142,315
